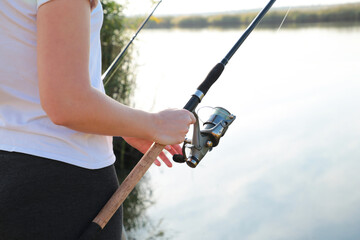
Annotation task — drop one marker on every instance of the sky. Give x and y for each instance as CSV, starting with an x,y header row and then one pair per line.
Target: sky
x,y
172,7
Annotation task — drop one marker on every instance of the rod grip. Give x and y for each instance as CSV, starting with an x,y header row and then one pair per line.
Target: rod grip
x,y
128,185
192,103
213,75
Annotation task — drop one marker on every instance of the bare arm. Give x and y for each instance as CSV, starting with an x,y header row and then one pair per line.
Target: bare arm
x,y
64,82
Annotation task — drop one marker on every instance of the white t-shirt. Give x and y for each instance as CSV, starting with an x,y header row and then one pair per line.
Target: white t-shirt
x,y
24,126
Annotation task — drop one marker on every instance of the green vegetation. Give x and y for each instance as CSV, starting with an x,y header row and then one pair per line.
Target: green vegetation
x,y
113,39
328,14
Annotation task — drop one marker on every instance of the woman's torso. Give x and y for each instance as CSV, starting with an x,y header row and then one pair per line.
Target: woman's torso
x,y
24,126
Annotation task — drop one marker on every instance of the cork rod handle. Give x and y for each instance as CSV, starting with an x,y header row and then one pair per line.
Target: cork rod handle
x,y
128,185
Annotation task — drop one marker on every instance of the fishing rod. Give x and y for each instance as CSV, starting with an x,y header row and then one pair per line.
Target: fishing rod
x,y
216,127
109,73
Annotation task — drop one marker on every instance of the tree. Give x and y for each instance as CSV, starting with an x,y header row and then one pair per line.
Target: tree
x,y
114,38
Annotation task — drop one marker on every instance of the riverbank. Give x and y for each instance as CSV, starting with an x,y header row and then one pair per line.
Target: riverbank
x,y
349,13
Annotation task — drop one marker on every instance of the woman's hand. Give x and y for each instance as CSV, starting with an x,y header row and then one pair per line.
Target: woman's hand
x,y
143,145
170,128
172,125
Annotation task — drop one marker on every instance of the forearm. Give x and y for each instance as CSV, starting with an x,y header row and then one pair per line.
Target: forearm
x,y
93,112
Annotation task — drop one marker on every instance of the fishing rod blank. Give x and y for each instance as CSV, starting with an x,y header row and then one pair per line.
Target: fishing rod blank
x,y
215,73
116,63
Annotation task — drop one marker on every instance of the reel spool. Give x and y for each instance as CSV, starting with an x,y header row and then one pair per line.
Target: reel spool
x,y
206,139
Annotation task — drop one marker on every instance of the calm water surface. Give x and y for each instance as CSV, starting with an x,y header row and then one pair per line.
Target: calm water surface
x,y
289,166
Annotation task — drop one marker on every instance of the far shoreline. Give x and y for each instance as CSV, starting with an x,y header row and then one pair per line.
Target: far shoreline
x,y
298,16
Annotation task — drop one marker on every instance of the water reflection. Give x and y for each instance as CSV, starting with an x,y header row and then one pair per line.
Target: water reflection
x,y
288,167
325,25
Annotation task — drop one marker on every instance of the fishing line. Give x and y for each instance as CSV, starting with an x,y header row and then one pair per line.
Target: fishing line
x,y
200,112
116,63
282,22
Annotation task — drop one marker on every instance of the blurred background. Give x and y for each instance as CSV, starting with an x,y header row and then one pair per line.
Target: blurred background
x,y
287,168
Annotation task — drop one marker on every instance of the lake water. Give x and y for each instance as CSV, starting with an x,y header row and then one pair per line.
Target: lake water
x,y
289,166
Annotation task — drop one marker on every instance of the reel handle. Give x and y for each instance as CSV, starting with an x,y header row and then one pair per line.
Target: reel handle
x,y
179,158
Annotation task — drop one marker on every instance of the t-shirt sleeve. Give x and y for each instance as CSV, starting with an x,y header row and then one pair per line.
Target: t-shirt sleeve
x,y
92,2
41,2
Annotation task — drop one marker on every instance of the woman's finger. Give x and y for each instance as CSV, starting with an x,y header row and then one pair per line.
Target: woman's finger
x,y
157,163
164,158
174,149
177,148
192,118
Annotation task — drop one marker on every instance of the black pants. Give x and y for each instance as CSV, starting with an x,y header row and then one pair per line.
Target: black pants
x,y
42,199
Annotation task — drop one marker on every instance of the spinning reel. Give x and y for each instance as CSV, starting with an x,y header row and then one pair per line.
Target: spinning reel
x,y
217,124
205,140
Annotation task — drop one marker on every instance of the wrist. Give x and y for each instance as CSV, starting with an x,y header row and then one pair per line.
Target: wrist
x,y
152,127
